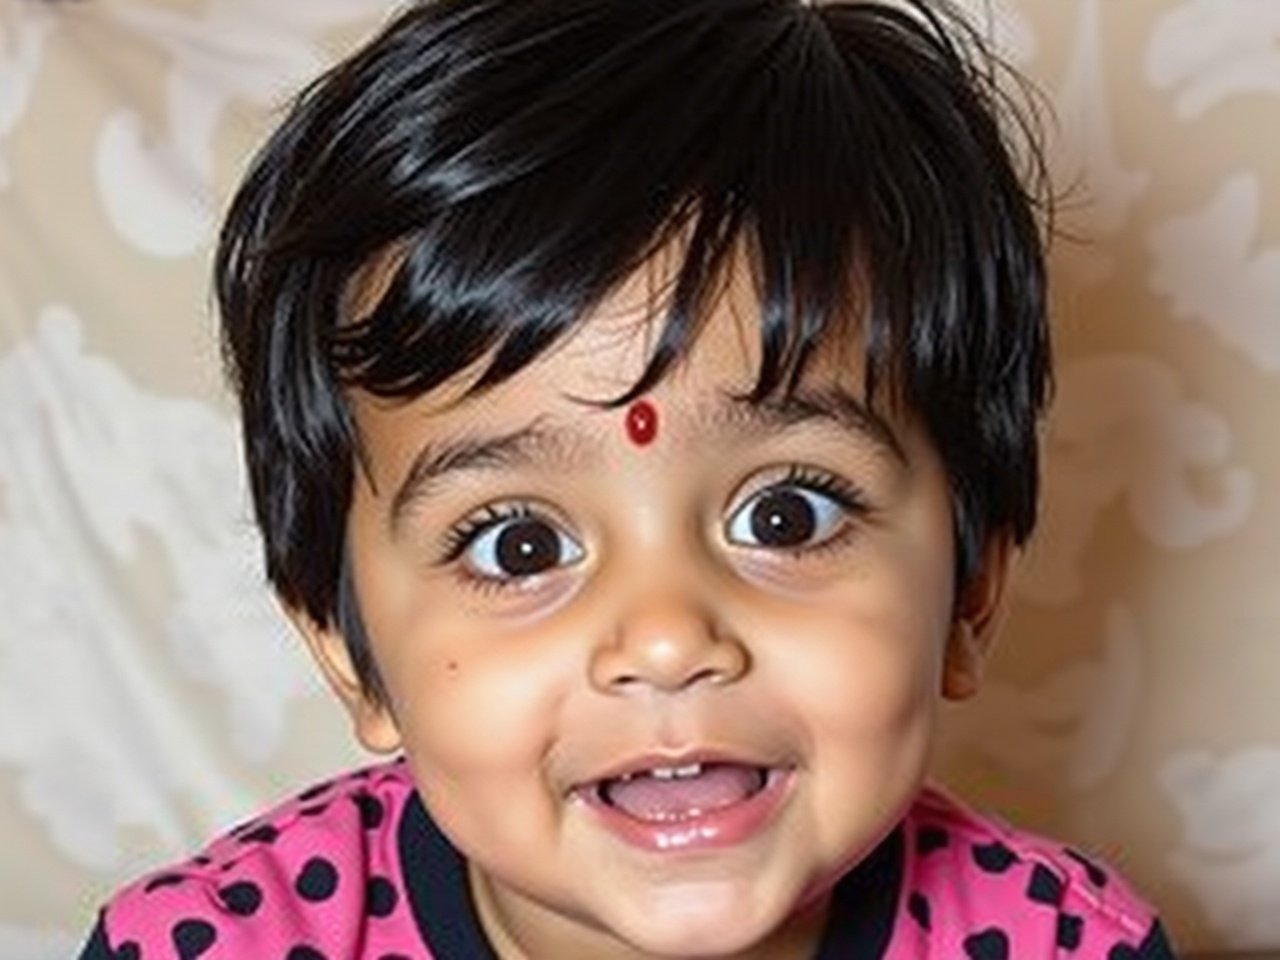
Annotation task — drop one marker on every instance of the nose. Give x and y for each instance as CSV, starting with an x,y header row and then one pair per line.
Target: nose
x,y
667,645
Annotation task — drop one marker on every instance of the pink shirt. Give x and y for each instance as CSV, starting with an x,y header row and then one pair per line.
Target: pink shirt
x,y
354,868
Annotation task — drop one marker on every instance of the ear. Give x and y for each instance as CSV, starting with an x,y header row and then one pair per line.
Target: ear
x,y
979,610
373,722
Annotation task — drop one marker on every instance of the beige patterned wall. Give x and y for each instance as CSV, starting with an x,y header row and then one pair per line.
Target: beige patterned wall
x,y
150,693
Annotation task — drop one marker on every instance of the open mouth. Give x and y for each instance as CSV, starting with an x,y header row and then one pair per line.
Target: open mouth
x,y
671,794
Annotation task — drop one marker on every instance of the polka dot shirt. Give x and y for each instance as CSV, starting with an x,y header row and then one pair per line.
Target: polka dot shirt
x,y
354,868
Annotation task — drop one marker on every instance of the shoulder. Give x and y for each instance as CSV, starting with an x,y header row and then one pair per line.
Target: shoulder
x,y
309,874
990,890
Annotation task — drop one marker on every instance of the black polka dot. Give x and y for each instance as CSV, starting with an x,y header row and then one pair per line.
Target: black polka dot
x,y
380,897
263,834
990,944
994,857
303,952
314,810
1045,886
242,899
1070,931
918,907
371,811
191,938
317,881
1122,951
129,950
201,861
1097,876
929,839
393,956
314,791
361,774
164,880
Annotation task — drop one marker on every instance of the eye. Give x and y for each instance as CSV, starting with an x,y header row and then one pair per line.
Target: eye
x,y
792,514
514,544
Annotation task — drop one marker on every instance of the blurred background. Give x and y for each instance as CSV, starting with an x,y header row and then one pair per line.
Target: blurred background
x,y
150,692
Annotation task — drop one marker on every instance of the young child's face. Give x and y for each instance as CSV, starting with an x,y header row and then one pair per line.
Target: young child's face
x,y
755,604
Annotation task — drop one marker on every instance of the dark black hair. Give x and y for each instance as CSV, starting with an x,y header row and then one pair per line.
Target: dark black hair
x,y
521,158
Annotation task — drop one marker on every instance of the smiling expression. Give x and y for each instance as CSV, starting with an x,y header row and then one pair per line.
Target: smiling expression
x,y
659,695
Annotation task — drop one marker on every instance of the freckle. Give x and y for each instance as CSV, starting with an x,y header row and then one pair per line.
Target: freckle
x,y
452,666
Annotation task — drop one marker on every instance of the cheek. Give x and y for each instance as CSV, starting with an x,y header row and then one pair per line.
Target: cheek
x,y
468,699
868,675
474,709
860,681
476,736
865,663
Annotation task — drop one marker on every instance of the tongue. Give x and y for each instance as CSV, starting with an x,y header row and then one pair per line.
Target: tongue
x,y
650,798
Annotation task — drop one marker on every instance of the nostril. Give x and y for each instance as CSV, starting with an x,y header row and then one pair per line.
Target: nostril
x,y
712,675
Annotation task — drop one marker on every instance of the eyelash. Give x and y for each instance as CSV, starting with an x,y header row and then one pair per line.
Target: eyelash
x,y
845,494
459,538
465,533
850,497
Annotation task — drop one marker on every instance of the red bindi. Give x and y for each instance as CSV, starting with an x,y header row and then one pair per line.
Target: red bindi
x,y
642,423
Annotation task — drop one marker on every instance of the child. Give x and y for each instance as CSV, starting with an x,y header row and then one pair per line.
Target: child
x,y
640,403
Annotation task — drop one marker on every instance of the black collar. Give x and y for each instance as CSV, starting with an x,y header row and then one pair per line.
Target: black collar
x,y
858,928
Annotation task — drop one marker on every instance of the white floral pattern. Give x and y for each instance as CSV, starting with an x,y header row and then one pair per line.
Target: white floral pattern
x,y
1208,265
1230,851
1209,50
33,944
1122,431
108,466
157,186
1098,190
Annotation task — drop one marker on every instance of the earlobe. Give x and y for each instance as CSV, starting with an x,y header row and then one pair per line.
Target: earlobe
x,y
975,621
963,663
373,722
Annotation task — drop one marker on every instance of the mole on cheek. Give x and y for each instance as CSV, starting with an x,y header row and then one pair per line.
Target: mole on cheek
x,y
642,423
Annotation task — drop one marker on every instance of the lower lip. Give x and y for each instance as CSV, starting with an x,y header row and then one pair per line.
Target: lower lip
x,y
710,830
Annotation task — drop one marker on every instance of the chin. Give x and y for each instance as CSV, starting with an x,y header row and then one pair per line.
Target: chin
x,y
697,924
697,944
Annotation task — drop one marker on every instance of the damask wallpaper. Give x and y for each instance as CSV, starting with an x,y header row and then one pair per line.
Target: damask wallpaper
x,y
151,693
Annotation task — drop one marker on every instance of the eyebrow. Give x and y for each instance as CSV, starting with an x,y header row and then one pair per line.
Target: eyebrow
x,y
834,405
563,447
518,448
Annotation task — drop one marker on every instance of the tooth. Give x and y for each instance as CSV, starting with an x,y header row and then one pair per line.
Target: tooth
x,y
676,773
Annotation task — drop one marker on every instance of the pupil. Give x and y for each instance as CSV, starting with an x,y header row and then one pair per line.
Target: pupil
x,y
783,519
527,547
